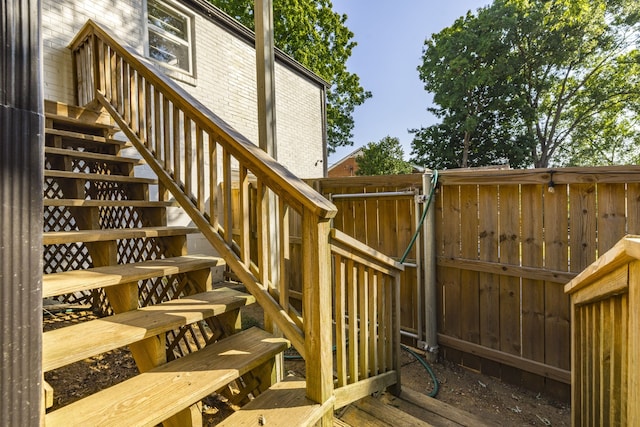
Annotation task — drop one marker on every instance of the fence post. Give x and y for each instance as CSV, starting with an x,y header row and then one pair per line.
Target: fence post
x,y
316,279
429,265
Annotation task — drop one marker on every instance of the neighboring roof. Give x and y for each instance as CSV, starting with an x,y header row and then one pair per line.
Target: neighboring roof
x,y
348,156
216,15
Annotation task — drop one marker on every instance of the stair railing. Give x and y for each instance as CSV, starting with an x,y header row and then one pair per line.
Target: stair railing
x,y
367,319
203,162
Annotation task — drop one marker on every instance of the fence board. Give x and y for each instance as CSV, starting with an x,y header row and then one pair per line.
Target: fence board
x,y
633,208
557,325
583,216
533,340
470,299
509,241
611,215
557,235
450,277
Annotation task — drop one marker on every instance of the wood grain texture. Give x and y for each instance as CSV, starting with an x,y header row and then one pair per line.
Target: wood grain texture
x,y
173,386
93,278
62,346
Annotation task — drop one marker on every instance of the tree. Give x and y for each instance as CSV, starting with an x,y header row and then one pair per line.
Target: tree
x,y
524,80
317,37
384,157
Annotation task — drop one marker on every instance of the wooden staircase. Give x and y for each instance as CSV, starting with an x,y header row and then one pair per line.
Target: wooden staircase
x,y
107,244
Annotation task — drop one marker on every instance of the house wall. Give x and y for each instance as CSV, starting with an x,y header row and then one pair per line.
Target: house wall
x,y
225,78
346,167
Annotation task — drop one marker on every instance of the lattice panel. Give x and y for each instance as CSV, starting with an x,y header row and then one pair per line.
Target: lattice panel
x,y
160,289
193,337
103,190
71,256
52,190
138,250
90,166
59,218
120,217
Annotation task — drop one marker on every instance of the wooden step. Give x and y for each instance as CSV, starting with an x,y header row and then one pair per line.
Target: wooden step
x,y
48,173
64,346
93,203
99,277
80,122
107,158
155,395
61,237
284,405
83,137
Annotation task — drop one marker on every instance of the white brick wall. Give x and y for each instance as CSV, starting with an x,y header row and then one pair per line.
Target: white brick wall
x,y
225,76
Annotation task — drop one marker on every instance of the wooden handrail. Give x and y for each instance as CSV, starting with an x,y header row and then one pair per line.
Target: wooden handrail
x,y
277,176
172,130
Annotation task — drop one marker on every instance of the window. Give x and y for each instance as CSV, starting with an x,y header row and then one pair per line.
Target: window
x,y
170,41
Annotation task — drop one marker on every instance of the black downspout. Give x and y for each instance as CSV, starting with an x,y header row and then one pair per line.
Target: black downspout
x,y
21,192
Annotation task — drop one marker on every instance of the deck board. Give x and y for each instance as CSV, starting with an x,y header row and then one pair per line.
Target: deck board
x,y
284,405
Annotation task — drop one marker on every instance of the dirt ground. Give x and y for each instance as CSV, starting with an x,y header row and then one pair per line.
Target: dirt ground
x,y
498,403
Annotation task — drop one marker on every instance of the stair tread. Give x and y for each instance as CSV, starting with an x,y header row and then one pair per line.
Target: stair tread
x,y
61,347
284,404
100,203
79,122
93,156
100,277
79,136
60,237
165,390
98,177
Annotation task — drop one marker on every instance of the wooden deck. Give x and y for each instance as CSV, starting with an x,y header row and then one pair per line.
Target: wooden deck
x,y
411,408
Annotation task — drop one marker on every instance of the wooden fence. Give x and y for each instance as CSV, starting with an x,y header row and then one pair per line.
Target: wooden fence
x,y
507,241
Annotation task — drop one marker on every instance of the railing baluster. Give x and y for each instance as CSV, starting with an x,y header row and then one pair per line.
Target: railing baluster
x,y
285,253
126,93
244,226
263,231
382,329
149,114
142,108
363,299
166,135
200,168
176,145
389,314
227,215
352,310
188,157
340,319
372,282
213,181
157,115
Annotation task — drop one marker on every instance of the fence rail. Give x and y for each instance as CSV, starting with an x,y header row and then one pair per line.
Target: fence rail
x,y
505,247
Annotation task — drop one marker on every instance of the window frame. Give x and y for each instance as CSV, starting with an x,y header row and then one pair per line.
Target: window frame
x,y
182,74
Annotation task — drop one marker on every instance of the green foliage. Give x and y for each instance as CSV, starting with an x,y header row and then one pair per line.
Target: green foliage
x,y
384,157
317,37
530,82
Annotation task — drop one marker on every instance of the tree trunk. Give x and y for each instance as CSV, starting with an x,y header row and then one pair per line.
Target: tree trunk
x,y
465,150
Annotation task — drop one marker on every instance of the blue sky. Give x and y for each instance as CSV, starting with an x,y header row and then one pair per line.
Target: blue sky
x,y
390,36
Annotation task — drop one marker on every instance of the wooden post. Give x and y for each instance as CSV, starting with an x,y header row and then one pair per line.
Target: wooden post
x,y
429,265
316,279
21,191
266,86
